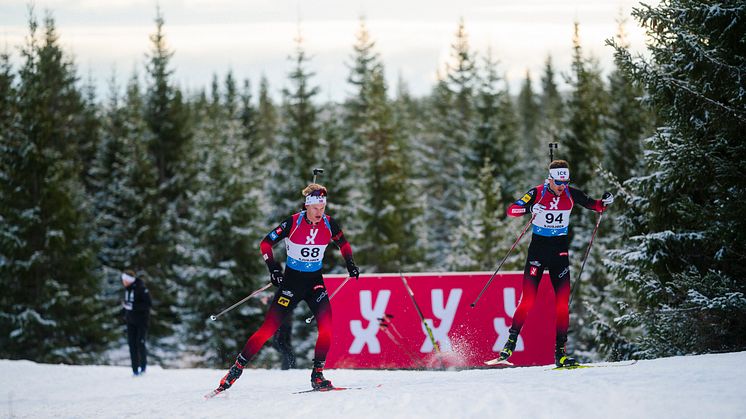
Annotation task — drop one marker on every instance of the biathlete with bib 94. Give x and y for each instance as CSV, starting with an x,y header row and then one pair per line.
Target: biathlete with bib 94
x,y
550,204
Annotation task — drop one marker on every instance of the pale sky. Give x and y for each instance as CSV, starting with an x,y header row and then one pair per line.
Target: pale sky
x,y
255,37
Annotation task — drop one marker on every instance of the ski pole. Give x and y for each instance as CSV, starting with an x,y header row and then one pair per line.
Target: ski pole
x,y
310,319
503,261
215,316
585,257
383,325
388,318
427,327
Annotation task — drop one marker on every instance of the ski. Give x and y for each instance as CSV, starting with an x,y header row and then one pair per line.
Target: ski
x,y
318,390
571,367
498,361
213,393
611,365
328,389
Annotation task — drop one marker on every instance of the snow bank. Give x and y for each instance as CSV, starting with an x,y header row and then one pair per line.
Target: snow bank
x,y
706,386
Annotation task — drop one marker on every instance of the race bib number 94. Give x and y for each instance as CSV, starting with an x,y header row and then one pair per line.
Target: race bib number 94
x,y
553,219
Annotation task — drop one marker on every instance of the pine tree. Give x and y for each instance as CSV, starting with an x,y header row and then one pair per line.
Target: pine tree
x,y
498,181
124,178
451,144
267,126
409,116
585,109
386,240
51,306
239,104
629,121
365,63
684,231
581,144
496,144
231,102
169,142
295,153
551,103
267,120
88,140
220,229
8,91
552,111
351,141
530,117
341,179
297,150
167,116
389,207
461,80
478,241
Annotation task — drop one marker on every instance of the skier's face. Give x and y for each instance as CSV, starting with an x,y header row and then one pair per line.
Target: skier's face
x,y
314,212
558,188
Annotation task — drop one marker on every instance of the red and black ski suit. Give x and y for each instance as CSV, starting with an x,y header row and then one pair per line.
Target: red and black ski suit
x,y
549,249
305,243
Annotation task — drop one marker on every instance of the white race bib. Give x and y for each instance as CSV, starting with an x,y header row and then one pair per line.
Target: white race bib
x,y
307,253
553,219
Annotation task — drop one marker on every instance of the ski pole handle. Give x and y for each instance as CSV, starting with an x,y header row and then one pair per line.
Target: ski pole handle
x,y
310,319
215,316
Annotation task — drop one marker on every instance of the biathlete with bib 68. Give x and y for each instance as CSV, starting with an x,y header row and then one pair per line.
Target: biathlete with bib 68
x,y
550,204
306,236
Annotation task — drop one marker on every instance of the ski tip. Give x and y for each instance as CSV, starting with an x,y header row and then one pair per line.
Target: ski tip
x,y
213,393
498,361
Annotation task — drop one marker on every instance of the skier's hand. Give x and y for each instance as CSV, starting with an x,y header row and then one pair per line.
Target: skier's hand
x,y
607,198
275,273
352,269
538,209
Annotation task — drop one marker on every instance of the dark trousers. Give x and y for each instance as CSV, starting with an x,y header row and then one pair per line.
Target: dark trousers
x,y
136,335
546,253
281,342
297,287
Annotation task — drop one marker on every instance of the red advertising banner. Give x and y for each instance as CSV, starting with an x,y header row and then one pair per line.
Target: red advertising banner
x,y
466,336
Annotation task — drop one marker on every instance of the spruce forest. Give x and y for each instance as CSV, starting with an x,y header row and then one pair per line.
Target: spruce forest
x,y
183,185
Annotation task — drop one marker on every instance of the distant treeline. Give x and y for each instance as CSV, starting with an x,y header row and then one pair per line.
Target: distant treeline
x,y
182,186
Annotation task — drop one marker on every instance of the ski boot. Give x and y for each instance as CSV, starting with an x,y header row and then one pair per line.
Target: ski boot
x,y
561,359
233,373
509,346
318,382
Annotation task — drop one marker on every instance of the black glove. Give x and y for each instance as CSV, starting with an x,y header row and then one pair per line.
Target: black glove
x,y
275,273
352,269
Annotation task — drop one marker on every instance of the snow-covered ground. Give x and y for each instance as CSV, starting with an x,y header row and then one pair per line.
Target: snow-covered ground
x,y
707,386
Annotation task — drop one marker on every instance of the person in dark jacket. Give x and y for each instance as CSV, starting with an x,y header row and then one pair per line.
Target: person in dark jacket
x,y
136,313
